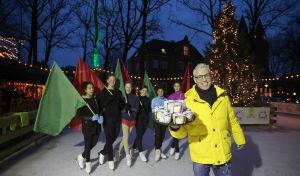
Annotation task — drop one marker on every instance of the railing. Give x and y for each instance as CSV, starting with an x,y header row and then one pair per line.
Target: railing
x,y
13,140
287,108
24,105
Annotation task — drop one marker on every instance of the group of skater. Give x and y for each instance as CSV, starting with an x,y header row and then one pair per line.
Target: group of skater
x,y
114,112
209,135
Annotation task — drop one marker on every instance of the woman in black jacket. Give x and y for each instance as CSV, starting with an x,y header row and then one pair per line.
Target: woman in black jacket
x,y
142,121
91,125
111,103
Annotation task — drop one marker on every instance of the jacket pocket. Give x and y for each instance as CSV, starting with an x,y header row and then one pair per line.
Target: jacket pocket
x,y
226,142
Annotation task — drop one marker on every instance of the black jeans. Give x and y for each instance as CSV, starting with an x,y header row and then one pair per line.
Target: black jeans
x,y
160,132
111,129
91,131
175,144
141,127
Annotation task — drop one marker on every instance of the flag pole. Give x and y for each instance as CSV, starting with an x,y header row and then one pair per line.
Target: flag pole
x,y
90,109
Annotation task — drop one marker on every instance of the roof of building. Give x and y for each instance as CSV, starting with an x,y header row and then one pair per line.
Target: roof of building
x,y
171,48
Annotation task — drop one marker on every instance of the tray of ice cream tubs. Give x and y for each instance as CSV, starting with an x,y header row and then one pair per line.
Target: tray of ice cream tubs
x,y
173,113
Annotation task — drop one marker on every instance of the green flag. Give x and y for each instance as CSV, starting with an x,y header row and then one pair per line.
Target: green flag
x,y
119,77
58,105
151,90
151,94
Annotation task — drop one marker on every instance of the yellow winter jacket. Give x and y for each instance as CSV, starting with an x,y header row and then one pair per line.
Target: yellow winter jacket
x,y
209,134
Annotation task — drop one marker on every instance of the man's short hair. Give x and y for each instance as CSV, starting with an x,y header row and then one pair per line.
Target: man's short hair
x,y
201,66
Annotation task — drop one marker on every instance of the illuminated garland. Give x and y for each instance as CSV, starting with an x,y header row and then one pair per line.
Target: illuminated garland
x,y
8,48
284,77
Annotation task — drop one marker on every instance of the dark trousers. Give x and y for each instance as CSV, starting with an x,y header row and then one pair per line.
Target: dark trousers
x,y
160,132
175,144
141,127
91,132
111,129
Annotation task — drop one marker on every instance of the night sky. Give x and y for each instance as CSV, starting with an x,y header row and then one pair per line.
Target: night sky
x,y
171,31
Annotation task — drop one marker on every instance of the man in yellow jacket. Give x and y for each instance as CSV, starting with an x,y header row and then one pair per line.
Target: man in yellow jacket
x,y
209,134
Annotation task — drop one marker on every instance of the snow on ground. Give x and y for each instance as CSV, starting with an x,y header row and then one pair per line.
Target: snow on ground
x,y
269,152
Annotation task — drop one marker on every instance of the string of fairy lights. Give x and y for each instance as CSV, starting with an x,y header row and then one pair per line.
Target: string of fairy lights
x,y
8,50
156,78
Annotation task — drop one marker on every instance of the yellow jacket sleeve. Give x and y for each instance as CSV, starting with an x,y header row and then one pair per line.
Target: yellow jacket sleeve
x,y
180,133
235,127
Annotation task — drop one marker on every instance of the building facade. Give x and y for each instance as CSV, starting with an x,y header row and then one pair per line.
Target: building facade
x,y
165,58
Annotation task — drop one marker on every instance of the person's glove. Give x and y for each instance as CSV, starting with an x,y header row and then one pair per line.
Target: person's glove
x,y
100,120
95,117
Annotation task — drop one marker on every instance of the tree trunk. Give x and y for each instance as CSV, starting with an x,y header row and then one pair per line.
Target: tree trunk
x,y
107,49
143,46
85,44
34,32
20,37
47,55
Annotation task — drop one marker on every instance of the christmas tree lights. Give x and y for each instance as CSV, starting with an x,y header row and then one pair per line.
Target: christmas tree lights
x,y
231,71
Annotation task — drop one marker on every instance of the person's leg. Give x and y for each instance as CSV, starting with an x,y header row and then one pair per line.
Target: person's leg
x,y
95,138
139,137
201,169
135,143
163,134
117,127
87,144
175,145
224,170
125,133
107,130
126,138
109,141
157,136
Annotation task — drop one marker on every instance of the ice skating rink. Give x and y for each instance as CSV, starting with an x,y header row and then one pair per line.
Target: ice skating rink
x,y
269,152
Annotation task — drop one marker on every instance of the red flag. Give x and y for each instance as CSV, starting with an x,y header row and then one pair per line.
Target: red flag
x,y
125,74
186,82
84,73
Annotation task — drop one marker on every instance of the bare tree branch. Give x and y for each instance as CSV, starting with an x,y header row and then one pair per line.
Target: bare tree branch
x,y
207,9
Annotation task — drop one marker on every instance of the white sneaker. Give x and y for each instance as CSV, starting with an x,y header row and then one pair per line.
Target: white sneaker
x,y
88,167
143,157
177,155
111,165
163,156
157,155
81,161
101,159
128,160
172,151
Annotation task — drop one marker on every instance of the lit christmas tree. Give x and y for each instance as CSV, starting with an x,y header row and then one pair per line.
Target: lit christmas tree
x,y
231,70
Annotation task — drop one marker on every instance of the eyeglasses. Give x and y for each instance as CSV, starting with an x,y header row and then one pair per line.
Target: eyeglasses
x,y
207,77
